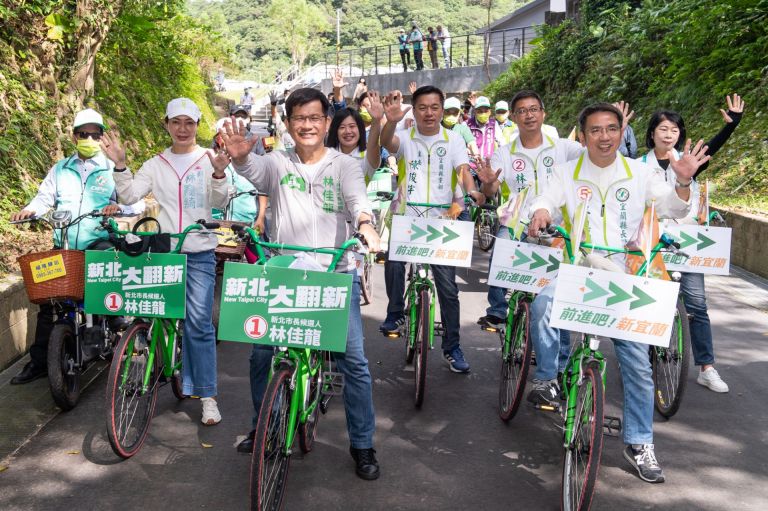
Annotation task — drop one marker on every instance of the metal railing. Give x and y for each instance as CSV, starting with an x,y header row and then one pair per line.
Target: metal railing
x,y
476,49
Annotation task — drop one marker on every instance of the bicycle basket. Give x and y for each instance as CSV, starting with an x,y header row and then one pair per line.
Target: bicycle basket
x,y
231,250
53,275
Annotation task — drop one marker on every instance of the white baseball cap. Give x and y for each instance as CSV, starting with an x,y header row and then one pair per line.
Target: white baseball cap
x,y
482,101
88,116
452,103
182,106
502,105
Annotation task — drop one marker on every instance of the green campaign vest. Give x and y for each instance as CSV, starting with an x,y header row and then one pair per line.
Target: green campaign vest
x,y
78,197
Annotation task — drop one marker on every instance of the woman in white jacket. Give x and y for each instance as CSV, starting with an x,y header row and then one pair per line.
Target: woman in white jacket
x,y
185,184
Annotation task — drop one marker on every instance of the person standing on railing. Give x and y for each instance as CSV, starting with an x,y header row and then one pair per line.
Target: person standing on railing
x,y
416,39
405,53
432,46
445,42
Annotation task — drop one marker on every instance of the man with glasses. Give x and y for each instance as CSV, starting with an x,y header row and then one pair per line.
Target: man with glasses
x,y
615,191
526,161
79,183
313,190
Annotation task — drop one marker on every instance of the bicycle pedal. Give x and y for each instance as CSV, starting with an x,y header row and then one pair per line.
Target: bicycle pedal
x,y
547,408
611,425
333,383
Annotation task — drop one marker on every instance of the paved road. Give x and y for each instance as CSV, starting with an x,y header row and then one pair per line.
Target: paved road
x,y
454,453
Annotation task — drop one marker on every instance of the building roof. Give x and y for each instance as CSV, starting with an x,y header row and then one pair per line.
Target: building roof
x,y
522,10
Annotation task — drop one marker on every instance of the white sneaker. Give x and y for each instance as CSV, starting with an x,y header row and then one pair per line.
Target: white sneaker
x,y
211,415
711,379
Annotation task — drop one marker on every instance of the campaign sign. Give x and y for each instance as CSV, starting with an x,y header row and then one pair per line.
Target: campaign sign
x,y
148,285
614,305
708,249
523,266
285,307
431,241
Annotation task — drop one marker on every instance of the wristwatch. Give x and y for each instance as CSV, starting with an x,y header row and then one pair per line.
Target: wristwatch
x,y
681,185
119,170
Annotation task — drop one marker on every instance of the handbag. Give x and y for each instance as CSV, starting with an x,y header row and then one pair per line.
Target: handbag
x,y
136,244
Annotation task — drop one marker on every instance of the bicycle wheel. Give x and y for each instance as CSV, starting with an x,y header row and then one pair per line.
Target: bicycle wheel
x,y
582,455
63,376
366,281
130,407
484,227
422,347
177,384
515,361
269,463
670,365
308,429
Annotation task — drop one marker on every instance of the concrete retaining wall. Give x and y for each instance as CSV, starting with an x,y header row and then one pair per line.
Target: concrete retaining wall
x,y
749,241
452,81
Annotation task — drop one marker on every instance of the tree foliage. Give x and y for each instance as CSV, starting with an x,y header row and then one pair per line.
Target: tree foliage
x,y
684,55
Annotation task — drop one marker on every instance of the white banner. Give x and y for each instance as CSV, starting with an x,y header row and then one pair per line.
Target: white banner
x,y
523,266
708,248
614,305
431,241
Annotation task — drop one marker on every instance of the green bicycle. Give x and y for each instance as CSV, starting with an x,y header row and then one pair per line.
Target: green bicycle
x,y
147,357
584,387
300,386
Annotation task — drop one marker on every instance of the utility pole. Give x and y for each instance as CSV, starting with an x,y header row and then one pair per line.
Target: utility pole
x,y
338,36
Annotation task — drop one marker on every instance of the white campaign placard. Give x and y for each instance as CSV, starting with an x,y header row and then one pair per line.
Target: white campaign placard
x,y
708,248
614,305
523,266
431,241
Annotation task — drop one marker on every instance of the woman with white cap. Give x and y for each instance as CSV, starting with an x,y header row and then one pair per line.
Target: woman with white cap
x,y
186,186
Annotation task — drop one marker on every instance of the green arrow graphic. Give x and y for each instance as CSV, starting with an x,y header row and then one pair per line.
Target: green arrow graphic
x,y
642,298
686,240
705,242
538,260
418,232
595,291
520,258
619,295
433,233
555,264
449,235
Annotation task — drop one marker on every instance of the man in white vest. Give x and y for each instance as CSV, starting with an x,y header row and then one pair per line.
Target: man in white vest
x,y
615,191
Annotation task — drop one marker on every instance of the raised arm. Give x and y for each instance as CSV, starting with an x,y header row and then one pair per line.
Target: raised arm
x,y
394,112
373,145
732,118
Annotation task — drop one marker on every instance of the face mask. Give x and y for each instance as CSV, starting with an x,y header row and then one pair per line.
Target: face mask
x,y
88,147
365,115
450,120
502,118
483,118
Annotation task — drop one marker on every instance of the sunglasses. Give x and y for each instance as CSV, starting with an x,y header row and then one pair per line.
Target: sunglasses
x,y
82,135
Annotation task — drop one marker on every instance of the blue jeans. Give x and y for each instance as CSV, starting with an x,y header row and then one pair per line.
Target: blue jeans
x,y
692,289
198,356
358,390
635,365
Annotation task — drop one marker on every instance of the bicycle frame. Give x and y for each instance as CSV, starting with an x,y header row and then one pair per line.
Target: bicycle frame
x,y
300,359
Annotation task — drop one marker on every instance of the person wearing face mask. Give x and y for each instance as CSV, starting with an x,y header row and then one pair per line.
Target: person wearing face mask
x,y
79,183
347,135
665,138
487,134
452,121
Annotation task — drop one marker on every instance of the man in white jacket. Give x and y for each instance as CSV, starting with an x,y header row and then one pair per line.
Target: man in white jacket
x,y
186,186
615,192
313,190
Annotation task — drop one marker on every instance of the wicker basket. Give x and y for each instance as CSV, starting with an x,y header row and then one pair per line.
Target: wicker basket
x,y
227,252
66,287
